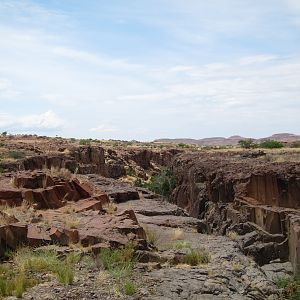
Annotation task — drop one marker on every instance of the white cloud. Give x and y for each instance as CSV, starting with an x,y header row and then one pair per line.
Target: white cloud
x,y
48,121
94,59
163,83
256,59
103,128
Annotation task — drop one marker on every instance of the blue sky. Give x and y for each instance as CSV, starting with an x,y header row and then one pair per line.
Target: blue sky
x,y
149,69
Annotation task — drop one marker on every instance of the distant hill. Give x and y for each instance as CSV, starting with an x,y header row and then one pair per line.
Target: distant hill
x,y
232,140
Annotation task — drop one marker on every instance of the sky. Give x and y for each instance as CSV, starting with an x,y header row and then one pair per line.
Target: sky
x,y
143,70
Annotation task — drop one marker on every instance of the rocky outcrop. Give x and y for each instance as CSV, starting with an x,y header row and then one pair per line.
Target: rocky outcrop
x,y
230,193
94,160
40,190
60,211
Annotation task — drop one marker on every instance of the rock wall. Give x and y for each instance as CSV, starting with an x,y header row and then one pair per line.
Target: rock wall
x,y
257,200
94,160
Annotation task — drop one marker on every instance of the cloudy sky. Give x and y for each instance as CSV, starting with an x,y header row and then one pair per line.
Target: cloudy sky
x,y
142,69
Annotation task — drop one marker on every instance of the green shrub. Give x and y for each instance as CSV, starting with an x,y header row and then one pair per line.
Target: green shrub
x,y
130,172
84,142
16,154
271,144
182,145
139,183
247,144
162,183
118,262
196,257
182,245
64,273
129,288
28,264
290,286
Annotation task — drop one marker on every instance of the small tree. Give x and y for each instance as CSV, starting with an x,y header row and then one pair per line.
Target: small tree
x,y
247,144
271,144
162,183
4,133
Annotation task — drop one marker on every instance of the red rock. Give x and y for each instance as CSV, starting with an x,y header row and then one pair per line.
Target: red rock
x,y
13,235
11,197
88,204
37,236
64,236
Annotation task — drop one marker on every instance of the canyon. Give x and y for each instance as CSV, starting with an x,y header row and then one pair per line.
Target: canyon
x,y
240,207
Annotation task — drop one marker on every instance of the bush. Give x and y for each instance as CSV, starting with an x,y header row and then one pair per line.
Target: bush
x,y
129,288
290,286
118,262
196,257
182,145
271,144
130,172
247,144
162,183
16,154
139,183
84,142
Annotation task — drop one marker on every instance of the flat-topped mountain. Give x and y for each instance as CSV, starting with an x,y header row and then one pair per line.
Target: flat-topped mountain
x,y
232,140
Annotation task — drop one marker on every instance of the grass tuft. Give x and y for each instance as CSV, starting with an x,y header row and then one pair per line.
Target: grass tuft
x,y
130,288
195,257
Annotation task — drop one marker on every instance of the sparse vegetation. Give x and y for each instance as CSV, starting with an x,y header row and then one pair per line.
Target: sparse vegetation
x,y
195,257
71,222
182,245
61,173
177,234
290,286
16,154
85,142
296,144
130,172
248,144
232,235
129,288
162,183
28,264
182,145
118,262
110,208
152,235
271,144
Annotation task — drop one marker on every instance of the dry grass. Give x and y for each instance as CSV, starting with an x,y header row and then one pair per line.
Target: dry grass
x,y
60,173
153,236
102,277
22,213
177,234
110,208
232,235
71,222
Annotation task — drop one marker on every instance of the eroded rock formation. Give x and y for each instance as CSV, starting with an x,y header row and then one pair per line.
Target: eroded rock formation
x,y
251,197
39,209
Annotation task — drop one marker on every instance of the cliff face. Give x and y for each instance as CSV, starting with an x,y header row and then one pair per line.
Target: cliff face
x,y
95,160
257,200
